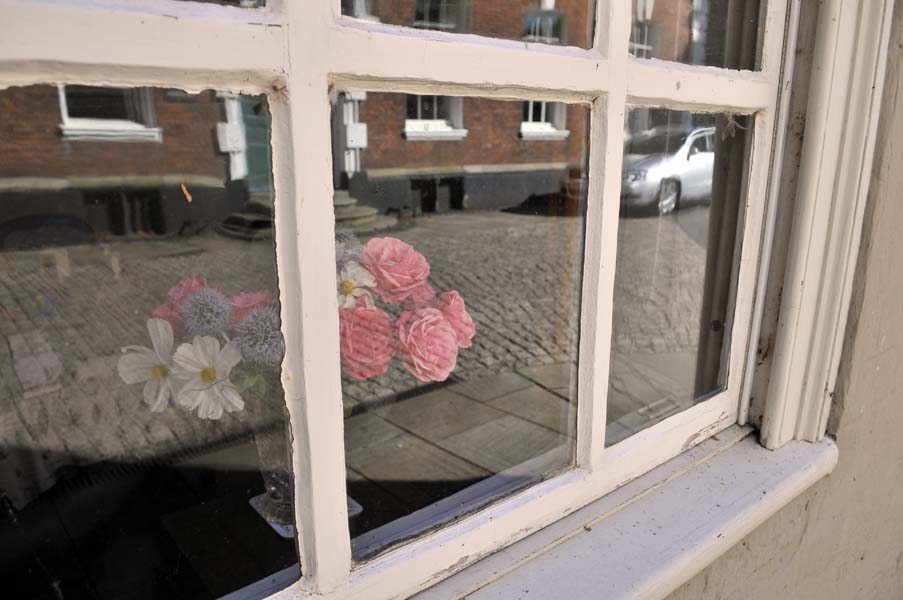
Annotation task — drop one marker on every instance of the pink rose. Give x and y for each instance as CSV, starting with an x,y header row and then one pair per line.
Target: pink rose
x,y
421,296
451,304
246,302
427,344
367,341
170,310
396,266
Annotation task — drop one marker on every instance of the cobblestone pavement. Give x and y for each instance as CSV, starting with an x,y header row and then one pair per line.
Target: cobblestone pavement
x,y
66,312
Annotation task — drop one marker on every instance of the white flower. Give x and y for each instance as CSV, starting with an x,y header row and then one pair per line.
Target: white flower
x,y
353,283
204,370
140,364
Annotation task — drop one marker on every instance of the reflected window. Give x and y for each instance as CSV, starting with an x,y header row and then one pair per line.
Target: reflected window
x,y
143,429
716,33
434,117
681,197
544,121
444,15
459,272
560,22
545,26
107,114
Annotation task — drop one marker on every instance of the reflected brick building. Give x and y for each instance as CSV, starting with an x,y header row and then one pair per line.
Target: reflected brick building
x,y
434,153
80,163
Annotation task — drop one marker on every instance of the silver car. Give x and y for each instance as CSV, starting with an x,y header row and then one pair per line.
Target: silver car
x,y
663,169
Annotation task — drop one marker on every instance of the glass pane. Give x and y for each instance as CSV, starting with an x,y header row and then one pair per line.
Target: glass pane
x,y
564,22
459,274
681,197
717,33
143,446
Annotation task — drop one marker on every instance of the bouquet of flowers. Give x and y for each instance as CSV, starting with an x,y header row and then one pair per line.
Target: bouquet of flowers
x,y
199,374
430,328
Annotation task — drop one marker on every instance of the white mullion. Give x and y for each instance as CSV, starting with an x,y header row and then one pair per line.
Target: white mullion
x,y
195,48
309,268
380,52
602,243
669,85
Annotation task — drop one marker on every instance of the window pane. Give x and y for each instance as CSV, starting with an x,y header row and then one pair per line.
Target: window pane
x,y
459,276
717,33
564,22
674,281
90,102
143,447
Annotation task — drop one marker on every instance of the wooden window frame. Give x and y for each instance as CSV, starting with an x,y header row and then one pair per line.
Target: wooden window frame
x,y
302,53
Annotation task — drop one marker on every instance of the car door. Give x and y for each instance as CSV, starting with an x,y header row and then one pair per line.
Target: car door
x,y
696,181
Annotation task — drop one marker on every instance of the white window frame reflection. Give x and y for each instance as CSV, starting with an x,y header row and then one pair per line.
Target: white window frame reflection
x,y
550,125
111,130
300,52
440,127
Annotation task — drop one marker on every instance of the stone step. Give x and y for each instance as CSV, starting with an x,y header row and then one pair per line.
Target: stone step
x,y
342,198
375,224
351,213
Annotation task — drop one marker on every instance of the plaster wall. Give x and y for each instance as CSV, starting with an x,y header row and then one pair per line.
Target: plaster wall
x,y
843,539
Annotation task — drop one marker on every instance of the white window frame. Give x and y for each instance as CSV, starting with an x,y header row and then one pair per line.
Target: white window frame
x,y
109,130
299,52
552,123
451,128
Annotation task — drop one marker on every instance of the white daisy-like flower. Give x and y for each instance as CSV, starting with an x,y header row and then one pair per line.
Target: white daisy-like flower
x,y
204,368
152,367
353,283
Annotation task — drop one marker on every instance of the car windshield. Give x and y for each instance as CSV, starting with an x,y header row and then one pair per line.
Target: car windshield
x,y
662,143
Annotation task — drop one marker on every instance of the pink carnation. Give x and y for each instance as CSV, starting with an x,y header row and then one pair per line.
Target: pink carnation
x,y
177,294
427,344
396,266
366,341
246,302
451,304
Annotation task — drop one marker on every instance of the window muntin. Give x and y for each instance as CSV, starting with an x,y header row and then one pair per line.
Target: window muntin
x,y
559,22
680,204
716,33
431,430
132,450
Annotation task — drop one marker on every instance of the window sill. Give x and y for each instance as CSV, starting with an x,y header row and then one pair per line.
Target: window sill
x,y
667,525
545,136
103,132
416,135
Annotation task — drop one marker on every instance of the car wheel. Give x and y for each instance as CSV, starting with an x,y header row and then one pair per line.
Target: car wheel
x,y
668,196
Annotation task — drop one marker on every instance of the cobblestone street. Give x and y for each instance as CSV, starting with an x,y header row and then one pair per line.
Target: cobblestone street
x,y
66,312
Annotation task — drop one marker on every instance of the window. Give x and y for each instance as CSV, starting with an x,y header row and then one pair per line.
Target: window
x,y
107,114
544,121
434,118
445,15
610,279
545,26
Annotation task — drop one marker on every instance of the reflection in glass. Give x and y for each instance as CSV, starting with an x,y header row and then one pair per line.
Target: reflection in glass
x,y
459,274
716,33
681,194
564,22
143,447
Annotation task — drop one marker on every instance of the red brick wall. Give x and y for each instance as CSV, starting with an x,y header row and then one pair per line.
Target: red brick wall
x,y
31,144
674,31
493,136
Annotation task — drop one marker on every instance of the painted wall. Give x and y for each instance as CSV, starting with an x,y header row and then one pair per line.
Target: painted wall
x,y
843,539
